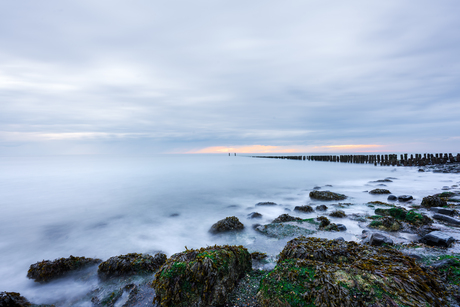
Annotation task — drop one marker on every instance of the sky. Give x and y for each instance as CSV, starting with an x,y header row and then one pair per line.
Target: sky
x,y
149,77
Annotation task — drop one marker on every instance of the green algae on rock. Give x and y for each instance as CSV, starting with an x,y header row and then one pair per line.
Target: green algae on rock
x,y
326,195
321,272
231,223
47,270
380,191
401,214
201,277
282,230
130,264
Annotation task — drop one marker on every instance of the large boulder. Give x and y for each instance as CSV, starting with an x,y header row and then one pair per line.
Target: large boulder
x,y
231,223
201,277
130,264
326,195
433,201
321,272
437,238
47,270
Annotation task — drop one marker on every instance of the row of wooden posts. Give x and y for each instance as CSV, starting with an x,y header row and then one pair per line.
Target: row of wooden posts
x,y
389,159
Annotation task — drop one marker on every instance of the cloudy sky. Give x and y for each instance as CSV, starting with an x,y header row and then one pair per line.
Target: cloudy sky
x,y
145,77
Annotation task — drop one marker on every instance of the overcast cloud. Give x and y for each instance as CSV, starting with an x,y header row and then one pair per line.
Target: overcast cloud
x,y
84,77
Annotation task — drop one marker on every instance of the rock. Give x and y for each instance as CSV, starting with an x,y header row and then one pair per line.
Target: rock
x,y
449,262
341,227
445,211
203,277
327,195
286,218
437,238
380,191
174,215
447,219
381,180
316,188
378,239
228,224
254,215
433,201
47,270
321,272
306,209
324,221
337,213
402,214
392,197
254,226
258,255
445,188
13,299
266,203
386,223
339,238
281,230
321,208
421,170
130,264
415,256
404,198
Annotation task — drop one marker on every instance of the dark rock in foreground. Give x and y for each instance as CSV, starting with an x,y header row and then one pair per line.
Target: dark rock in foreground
x,y
254,215
13,299
437,238
305,209
47,270
227,224
433,201
380,191
326,195
130,264
445,211
321,272
447,219
201,277
286,218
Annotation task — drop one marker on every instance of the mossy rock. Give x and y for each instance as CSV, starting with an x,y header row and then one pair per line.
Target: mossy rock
x,y
321,272
338,213
130,264
324,221
47,270
402,214
201,277
433,201
386,223
326,195
231,223
380,191
305,209
281,230
286,218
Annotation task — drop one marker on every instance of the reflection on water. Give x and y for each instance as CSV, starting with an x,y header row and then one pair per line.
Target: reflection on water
x,y
104,206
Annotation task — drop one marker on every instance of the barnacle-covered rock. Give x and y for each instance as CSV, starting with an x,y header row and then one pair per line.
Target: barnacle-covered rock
x,y
258,255
47,270
306,209
13,299
321,272
380,191
324,221
130,264
326,225
201,277
227,224
337,213
433,201
286,218
326,195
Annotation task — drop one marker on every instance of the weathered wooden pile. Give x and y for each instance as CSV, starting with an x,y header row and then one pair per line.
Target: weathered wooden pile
x,y
388,159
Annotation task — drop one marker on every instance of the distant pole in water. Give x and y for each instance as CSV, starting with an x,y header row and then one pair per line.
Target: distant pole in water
x,y
235,153
229,154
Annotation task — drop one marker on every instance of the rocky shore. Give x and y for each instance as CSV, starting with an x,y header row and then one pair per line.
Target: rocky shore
x,y
407,255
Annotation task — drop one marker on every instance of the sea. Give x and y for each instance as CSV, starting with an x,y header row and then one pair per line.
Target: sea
x,y
104,206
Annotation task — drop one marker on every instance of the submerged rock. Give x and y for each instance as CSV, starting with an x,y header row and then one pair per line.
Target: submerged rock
x,y
380,191
201,277
130,264
306,209
447,219
47,270
286,218
281,230
433,201
445,211
227,224
321,272
321,208
326,195
254,215
404,198
437,238
266,203
337,213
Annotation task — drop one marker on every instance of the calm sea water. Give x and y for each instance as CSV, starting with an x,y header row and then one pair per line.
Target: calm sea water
x,y
103,206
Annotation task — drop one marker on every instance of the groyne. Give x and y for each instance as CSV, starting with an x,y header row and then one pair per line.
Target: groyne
x,y
384,159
